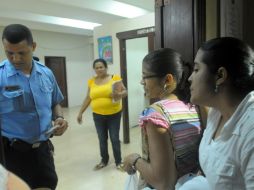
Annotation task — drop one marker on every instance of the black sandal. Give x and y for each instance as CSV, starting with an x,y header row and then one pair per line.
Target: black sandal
x,y
99,166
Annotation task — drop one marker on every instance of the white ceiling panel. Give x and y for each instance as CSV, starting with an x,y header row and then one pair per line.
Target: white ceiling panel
x,y
46,14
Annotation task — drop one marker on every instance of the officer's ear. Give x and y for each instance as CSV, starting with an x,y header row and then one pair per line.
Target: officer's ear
x,y
33,46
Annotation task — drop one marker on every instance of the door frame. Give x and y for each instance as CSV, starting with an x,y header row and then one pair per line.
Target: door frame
x,y
46,58
123,36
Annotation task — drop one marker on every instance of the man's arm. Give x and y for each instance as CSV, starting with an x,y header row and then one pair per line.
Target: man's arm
x,y
59,120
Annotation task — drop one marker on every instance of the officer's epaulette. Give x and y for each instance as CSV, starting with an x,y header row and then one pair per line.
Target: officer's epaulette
x,y
2,64
39,64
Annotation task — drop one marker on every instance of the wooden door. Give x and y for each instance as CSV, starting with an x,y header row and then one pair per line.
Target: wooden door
x,y
248,27
58,67
180,25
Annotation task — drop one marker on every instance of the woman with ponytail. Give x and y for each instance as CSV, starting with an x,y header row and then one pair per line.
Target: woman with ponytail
x,y
170,127
226,154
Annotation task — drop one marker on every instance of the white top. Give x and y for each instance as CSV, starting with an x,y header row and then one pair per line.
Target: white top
x,y
228,162
3,178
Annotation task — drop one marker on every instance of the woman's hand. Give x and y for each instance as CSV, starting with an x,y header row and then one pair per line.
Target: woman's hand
x,y
116,95
80,119
119,91
128,163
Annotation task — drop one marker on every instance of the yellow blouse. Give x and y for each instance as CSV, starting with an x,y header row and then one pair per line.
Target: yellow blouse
x,y
101,101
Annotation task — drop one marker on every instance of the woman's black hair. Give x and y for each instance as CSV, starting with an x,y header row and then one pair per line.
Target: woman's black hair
x,y
167,61
235,56
100,60
15,33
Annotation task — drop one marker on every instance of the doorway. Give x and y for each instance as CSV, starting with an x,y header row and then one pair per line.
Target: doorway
x,y
58,67
136,49
125,40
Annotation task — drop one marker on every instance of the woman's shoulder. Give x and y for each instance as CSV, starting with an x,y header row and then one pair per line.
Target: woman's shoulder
x,y
148,111
91,81
159,107
153,115
171,105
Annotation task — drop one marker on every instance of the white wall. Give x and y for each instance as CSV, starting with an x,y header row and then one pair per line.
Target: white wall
x,y
120,26
136,49
78,51
111,30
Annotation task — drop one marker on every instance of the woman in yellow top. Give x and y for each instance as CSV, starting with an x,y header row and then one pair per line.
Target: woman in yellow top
x,y
104,93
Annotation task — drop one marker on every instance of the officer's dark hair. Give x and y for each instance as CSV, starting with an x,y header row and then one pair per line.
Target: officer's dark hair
x,y
15,33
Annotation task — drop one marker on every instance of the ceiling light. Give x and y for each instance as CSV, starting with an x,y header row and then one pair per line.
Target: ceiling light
x,y
125,10
71,22
49,19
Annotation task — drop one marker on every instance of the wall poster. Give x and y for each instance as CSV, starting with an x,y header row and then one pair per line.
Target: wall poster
x,y
105,48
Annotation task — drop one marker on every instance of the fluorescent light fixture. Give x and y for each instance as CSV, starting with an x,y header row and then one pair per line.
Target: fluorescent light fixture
x,y
107,6
125,10
71,22
50,19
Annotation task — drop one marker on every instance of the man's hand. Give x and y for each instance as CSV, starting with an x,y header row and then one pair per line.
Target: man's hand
x,y
63,126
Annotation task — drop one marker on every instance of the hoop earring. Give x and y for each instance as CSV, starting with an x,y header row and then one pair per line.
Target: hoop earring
x,y
216,90
166,87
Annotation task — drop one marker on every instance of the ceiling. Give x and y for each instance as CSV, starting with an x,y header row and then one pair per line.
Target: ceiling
x,y
46,14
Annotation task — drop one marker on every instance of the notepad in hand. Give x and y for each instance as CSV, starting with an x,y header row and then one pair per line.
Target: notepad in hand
x,y
116,88
51,130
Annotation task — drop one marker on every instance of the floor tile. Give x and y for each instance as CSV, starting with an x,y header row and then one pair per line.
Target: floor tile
x,y
77,152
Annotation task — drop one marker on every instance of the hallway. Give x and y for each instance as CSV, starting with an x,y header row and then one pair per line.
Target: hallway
x,y
77,152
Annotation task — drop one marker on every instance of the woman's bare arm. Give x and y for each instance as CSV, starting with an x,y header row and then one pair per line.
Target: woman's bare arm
x,y
161,172
84,106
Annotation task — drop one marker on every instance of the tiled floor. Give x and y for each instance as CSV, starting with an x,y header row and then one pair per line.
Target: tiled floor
x,y
77,152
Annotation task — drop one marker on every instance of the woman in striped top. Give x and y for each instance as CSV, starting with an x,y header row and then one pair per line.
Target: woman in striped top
x,y
170,127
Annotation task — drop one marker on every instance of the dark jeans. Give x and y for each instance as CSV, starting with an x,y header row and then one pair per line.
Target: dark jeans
x,y
111,124
36,166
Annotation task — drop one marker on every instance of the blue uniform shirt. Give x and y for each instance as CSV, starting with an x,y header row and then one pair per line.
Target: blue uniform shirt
x,y
26,113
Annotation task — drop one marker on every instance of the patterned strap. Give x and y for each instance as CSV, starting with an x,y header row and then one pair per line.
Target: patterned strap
x,y
159,108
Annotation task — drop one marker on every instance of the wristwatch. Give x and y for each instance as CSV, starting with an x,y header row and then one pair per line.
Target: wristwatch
x,y
58,116
135,162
